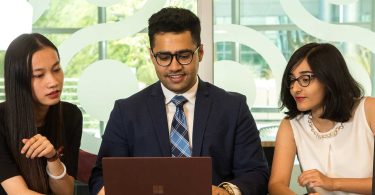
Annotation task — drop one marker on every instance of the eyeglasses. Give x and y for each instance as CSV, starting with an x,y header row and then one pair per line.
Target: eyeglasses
x,y
183,57
303,80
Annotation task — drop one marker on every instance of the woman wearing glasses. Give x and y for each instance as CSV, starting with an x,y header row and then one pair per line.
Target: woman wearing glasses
x,y
36,128
329,125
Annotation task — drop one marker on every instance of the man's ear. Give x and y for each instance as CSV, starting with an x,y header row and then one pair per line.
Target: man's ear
x,y
200,52
150,52
151,55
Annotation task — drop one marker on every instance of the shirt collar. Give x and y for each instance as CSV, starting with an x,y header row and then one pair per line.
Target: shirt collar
x,y
190,94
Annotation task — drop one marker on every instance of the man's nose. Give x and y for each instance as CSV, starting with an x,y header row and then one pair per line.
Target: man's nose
x,y
175,65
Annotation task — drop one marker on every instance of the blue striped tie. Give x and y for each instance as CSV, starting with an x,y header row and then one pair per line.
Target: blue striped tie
x,y
179,132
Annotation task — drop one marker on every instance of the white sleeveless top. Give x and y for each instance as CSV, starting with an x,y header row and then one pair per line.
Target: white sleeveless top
x,y
349,154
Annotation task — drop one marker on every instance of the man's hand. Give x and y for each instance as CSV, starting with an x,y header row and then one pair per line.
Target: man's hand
x,y
218,191
102,191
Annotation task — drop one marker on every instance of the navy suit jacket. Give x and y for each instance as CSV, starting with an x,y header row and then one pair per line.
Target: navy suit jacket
x,y
223,129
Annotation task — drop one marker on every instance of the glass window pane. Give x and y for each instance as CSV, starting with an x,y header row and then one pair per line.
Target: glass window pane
x,y
90,63
264,23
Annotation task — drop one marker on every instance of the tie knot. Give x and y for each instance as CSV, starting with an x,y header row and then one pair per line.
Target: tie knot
x,y
179,100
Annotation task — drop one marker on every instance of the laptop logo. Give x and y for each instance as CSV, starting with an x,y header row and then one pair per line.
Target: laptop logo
x,y
157,189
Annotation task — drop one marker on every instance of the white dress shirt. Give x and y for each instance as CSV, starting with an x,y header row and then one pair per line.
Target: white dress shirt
x,y
189,106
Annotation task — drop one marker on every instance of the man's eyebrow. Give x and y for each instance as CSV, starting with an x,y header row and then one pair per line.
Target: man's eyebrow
x,y
179,51
306,71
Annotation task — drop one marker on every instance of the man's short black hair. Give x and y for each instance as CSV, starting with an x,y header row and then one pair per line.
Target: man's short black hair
x,y
172,19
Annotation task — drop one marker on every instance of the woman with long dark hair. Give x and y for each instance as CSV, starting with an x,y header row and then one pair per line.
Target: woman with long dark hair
x,y
329,125
39,134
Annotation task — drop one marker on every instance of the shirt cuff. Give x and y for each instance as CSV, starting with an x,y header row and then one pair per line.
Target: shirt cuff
x,y
235,189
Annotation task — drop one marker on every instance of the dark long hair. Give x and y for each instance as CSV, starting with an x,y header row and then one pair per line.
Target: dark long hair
x,y
329,67
19,108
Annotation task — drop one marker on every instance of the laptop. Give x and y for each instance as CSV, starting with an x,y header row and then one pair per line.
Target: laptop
x,y
157,175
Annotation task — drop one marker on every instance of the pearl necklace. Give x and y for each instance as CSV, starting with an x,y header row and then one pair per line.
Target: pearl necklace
x,y
328,135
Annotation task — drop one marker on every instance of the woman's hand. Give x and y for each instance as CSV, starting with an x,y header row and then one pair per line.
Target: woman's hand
x,y
38,146
314,178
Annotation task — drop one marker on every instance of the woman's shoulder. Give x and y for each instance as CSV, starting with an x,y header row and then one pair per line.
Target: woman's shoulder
x,y
295,124
2,117
72,117
2,108
285,132
369,101
2,112
71,113
285,121
70,108
370,112
285,127
368,104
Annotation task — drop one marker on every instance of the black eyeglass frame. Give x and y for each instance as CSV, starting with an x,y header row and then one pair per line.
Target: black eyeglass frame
x,y
175,55
291,81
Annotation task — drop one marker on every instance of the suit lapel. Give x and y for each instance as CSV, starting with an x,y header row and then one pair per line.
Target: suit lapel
x,y
201,112
156,106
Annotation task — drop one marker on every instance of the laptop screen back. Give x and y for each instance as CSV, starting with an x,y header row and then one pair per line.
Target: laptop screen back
x,y
157,175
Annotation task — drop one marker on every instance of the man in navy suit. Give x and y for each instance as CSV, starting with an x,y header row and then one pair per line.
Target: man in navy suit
x,y
219,123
